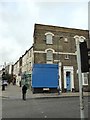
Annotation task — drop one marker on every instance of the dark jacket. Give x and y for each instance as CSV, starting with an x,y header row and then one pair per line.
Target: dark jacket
x,y
24,89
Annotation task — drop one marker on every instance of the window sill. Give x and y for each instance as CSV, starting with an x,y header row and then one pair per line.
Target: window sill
x,y
49,44
66,58
85,84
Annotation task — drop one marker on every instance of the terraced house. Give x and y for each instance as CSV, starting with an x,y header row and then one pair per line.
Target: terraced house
x,y
56,45
24,64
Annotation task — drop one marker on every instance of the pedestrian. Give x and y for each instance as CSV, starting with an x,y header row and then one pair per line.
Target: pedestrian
x,y
3,81
20,84
3,87
14,81
24,90
58,90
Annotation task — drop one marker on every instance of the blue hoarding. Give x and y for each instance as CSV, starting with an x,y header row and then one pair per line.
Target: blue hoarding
x,y
45,76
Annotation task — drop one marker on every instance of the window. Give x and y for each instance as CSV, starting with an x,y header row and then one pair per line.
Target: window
x,y
30,53
49,37
49,56
85,78
65,40
66,56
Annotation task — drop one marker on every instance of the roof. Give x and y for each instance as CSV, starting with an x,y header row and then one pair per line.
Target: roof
x,y
44,25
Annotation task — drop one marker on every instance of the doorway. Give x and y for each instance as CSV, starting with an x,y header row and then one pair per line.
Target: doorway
x,y
68,81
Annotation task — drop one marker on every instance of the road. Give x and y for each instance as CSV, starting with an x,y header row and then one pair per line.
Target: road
x,y
43,108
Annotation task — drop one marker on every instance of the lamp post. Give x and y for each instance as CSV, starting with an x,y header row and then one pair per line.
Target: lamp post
x,y
80,77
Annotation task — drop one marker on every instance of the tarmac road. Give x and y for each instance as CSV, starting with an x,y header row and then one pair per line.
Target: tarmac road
x,y
43,108
50,105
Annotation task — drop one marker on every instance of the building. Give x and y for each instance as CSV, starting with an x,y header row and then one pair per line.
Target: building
x,y
27,61
55,45
7,71
16,73
24,64
9,68
1,72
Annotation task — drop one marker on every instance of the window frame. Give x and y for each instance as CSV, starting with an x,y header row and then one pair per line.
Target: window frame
x,y
84,77
66,57
66,40
49,58
47,39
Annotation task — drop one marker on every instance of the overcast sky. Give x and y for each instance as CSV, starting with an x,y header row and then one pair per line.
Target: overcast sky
x,y
17,19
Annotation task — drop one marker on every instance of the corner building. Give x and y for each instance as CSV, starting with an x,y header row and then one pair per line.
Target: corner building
x,y
57,45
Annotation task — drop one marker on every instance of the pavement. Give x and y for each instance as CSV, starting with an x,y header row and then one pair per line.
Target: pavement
x,y
15,92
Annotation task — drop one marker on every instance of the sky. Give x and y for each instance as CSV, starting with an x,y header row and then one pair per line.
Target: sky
x,y
17,19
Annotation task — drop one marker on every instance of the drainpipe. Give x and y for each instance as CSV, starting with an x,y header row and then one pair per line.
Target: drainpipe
x,y
60,83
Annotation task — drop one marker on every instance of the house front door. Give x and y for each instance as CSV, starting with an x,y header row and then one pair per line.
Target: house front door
x,y
68,81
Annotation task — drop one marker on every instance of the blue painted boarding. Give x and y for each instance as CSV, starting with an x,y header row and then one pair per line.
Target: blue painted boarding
x,y
45,76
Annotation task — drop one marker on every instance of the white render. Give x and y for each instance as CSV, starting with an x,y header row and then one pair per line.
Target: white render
x,y
27,61
16,68
18,80
62,53
60,82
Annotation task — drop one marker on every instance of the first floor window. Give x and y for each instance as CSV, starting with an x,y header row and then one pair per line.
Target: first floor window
x,y
66,57
85,78
49,39
49,56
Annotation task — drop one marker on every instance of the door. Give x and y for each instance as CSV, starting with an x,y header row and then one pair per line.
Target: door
x,y
68,81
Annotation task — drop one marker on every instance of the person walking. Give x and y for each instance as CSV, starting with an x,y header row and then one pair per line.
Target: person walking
x,y
24,90
20,84
58,90
3,81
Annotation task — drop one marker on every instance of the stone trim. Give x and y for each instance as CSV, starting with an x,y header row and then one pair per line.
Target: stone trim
x,y
49,49
64,53
49,33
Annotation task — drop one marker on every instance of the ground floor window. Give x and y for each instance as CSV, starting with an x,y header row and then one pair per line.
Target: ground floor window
x,y
85,78
49,56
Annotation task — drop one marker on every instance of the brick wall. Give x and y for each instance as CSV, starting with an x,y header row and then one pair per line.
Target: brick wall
x,y
59,45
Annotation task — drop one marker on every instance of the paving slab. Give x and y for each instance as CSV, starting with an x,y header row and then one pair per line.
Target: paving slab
x,y
15,92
